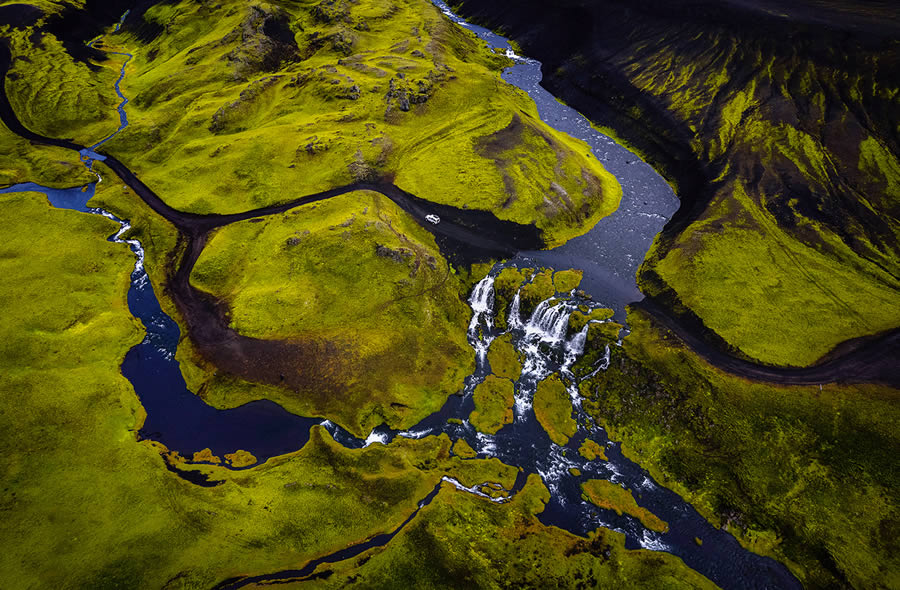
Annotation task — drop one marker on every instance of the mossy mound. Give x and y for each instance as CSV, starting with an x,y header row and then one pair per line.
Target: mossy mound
x,y
581,317
504,358
566,280
273,101
605,494
463,449
494,398
462,537
356,271
553,409
590,450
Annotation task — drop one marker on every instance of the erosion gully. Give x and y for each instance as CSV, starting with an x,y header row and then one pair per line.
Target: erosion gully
x,y
609,255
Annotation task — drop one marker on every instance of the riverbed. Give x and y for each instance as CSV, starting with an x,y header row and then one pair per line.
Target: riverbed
x,y
609,255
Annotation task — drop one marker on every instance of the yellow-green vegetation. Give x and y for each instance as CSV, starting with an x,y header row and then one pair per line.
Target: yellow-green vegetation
x,y
463,449
504,358
462,541
566,280
358,272
239,105
21,161
580,317
789,303
494,399
538,289
56,96
68,431
804,474
590,450
553,409
240,458
796,250
610,496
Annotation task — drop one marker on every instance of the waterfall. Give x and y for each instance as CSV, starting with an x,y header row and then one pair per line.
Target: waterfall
x,y
480,327
574,348
514,321
549,320
482,297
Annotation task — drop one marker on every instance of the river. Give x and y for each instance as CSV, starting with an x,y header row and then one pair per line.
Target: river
x,y
609,255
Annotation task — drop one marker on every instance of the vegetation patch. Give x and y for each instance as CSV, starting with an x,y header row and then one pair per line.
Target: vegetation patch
x,y
494,399
356,271
610,496
504,358
590,450
472,542
553,409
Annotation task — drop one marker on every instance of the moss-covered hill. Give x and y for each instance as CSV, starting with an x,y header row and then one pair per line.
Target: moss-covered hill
x,y
779,129
239,104
236,105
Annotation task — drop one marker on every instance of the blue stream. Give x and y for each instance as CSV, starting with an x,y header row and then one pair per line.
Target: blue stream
x,y
609,255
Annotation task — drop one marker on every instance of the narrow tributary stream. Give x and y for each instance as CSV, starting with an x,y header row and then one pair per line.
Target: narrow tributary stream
x,y
609,255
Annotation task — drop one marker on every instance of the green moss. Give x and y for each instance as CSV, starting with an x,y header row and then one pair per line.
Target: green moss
x,y
56,96
610,496
21,161
504,358
828,453
506,284
493,405
590,450
566,280
462,541
401,93
538,289
782,288
462,449
553,409
400,328
580,318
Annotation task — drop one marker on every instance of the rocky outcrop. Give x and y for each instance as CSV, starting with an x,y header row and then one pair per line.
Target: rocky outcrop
x,y
266,41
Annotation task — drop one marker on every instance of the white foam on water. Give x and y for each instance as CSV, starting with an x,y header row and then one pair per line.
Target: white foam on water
x,y
474,490
652,541
376,437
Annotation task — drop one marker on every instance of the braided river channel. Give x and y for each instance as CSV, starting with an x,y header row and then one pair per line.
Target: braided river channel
x,y
608,255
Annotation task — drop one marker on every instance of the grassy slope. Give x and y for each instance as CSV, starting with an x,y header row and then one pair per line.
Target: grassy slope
x,y
212,132
800,236
45,165
56,96
494,398
464,542
125,521
358,272
805,474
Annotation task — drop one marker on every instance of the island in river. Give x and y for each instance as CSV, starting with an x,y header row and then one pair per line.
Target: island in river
x,y
360,316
